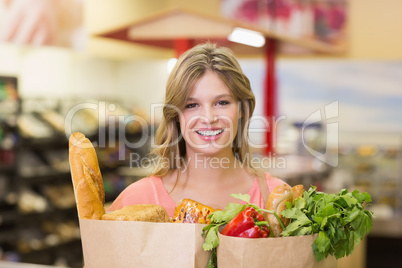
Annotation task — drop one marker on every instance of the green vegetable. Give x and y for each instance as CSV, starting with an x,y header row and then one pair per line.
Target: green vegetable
x,y
340,220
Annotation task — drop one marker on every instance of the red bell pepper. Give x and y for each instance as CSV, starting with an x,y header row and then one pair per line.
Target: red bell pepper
x,y
265,231
253,232
245,224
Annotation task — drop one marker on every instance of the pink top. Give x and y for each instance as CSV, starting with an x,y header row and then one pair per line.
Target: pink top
x,y
151,190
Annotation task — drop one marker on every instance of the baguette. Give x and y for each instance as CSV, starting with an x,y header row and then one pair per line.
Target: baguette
x,y
86,177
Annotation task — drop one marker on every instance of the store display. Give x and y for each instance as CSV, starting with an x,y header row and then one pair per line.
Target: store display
x,y
58,160
55,119
31,202
32,127
8,139
38,216
109,155
9,100
4,188
31,165
50,234
374,169
85,121
9,109
114,183
60,196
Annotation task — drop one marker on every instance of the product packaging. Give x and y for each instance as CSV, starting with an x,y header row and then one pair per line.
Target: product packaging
x,y
147,244
293,251
142,244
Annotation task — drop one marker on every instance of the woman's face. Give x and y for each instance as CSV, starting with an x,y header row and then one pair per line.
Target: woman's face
x,y
209,120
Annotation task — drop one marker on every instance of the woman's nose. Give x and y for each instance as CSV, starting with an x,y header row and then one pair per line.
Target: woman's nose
x,y
209,115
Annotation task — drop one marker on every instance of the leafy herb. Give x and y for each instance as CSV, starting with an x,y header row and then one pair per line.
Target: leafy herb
x,y
340,220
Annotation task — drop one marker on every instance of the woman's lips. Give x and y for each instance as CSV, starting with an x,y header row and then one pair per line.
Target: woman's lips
x,y
209,134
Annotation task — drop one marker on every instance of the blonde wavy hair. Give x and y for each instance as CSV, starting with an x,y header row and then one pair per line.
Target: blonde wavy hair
x,y
170,147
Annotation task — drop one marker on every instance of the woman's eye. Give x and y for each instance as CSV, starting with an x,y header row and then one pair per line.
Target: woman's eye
x,y
191,105
223,102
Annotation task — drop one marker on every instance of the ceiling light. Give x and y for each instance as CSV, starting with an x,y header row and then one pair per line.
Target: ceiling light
x,y
247,37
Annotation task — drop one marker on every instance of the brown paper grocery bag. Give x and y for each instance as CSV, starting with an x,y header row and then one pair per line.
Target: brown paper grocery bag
x,y
142,244
282,252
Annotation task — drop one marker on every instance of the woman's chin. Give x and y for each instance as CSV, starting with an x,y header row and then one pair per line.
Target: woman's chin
x,y
212,150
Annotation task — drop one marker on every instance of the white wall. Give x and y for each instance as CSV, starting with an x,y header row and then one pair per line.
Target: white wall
x,y
52,72
10,60
45,72
142,82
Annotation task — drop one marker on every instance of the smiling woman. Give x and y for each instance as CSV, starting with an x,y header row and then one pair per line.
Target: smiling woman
x,y
202,150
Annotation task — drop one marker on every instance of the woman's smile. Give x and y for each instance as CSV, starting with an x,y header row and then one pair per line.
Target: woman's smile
x,y
210,134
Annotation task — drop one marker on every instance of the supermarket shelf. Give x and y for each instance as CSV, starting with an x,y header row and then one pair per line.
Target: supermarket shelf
x,y
8,236
39,222
49,177
387,227
7,264
8,216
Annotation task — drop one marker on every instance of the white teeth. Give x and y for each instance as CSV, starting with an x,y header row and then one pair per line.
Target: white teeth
x,y
209,132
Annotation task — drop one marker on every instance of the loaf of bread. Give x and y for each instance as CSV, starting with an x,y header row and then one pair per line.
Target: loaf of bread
x,y
277,202
141,212
298,191
86,178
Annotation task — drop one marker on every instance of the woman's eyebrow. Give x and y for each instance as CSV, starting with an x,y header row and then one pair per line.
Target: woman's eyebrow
x,y
191,99
225,95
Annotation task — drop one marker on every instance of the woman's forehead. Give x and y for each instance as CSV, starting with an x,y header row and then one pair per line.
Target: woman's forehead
x,y
209,85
